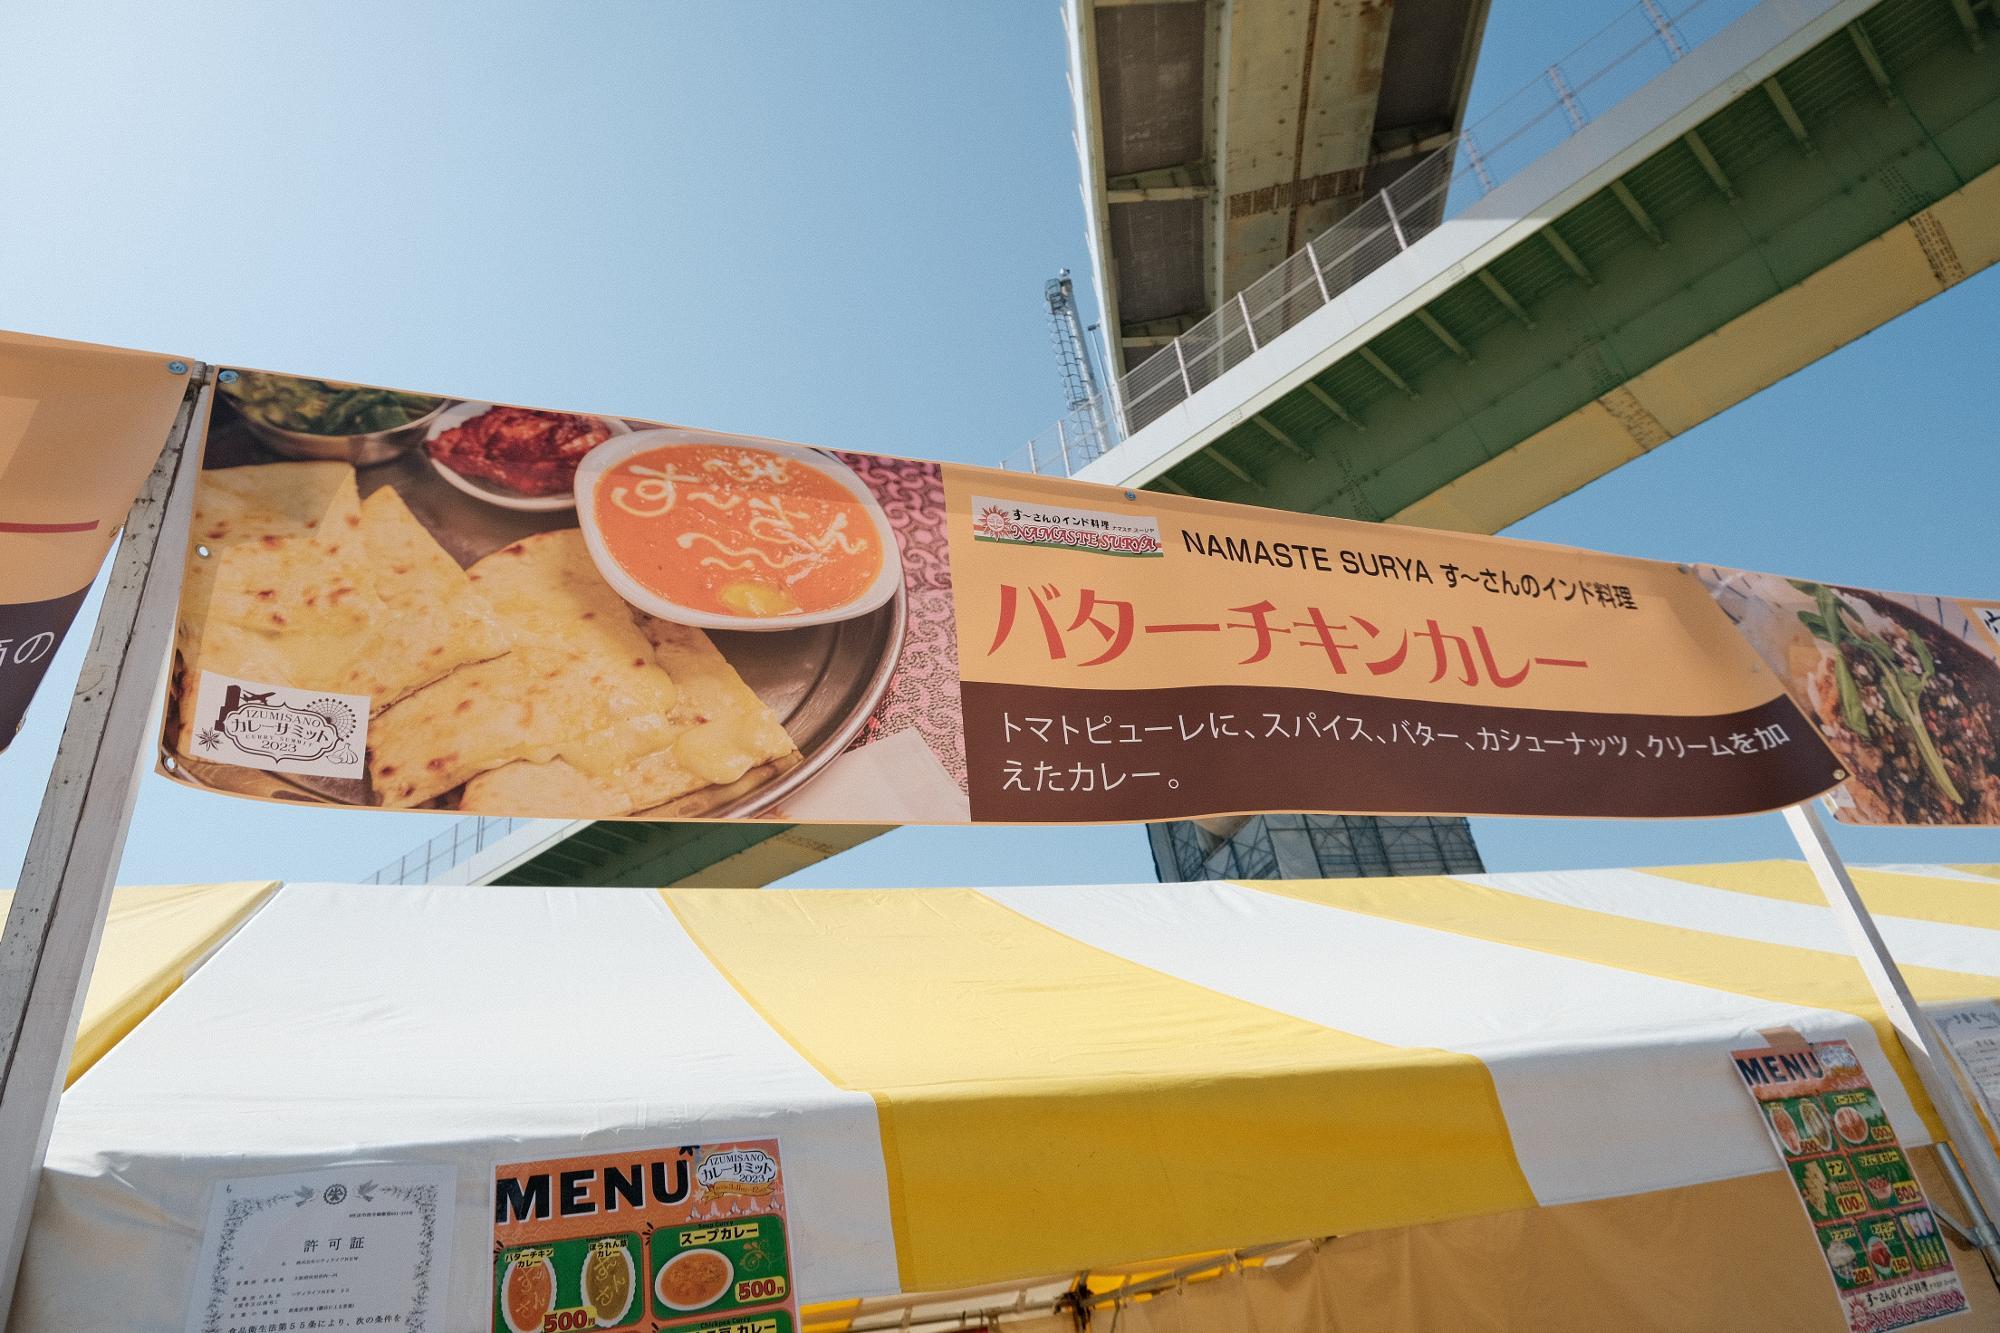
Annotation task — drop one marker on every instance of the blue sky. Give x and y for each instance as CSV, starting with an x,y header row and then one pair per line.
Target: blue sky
x,y
826,223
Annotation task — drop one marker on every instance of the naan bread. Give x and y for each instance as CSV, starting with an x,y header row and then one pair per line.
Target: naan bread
x,y
364,601
580,685
431,619
730,730
723,731
237,505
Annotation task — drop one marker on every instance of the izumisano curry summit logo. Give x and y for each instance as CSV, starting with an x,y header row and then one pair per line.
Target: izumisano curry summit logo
x,y
253,725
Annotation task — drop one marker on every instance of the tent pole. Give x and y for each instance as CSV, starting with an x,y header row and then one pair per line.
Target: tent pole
x,y
52,931
1968,1157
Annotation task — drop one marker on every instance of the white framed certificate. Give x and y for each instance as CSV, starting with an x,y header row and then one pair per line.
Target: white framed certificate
x,y
350,1247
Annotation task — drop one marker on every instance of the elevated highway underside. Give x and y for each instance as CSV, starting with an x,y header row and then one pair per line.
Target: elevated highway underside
x,y
1782,212
1219,135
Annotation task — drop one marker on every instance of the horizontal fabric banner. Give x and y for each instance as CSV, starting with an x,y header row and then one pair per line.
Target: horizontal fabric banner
x,y
405,601
80,428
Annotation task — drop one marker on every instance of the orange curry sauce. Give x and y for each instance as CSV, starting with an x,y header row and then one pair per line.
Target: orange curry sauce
x,y
736,530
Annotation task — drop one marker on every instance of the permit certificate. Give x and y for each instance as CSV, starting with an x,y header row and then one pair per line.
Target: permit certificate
x,y
343,1248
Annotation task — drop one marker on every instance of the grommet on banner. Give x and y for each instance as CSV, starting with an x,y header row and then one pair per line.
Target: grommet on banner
x,y
227,377
177,367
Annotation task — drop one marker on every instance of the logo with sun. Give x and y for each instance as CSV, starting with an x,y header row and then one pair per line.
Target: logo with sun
x,y
992,521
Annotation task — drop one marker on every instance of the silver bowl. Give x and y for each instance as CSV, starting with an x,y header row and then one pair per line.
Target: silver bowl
x,y
375,446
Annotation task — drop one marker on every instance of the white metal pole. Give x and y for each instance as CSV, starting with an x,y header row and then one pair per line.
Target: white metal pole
x,y
1395,223
1671,39
1919,1035
1319,274
1478,162
1249,330
52,930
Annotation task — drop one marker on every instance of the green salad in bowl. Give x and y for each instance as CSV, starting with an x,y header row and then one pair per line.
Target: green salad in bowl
x,y
305,418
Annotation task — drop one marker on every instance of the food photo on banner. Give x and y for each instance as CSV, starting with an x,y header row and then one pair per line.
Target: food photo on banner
x,y
408,601
1904,689
411,602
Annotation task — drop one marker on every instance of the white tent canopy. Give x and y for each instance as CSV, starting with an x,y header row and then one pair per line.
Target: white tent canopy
x,y
975,1087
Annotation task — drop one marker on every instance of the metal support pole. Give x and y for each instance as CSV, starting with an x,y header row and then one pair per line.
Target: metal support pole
x,y
1967,1133
52,931
1319,274
1395,223
1668,36
1567,96
1033,465
1478,161
1187,386
1062,443
1118,416
1243,308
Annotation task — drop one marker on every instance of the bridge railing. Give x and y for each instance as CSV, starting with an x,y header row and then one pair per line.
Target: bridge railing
x,y
459,843
1631,51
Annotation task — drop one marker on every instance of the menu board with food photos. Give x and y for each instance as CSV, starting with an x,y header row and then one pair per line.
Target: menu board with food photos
x,y
1882,1244
691,1239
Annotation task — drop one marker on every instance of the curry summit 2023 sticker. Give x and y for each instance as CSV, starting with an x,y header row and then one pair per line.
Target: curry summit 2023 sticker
x,y
1032,523
313,732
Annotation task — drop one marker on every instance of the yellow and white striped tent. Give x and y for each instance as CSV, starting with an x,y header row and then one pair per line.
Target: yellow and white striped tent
x,y
1508,1097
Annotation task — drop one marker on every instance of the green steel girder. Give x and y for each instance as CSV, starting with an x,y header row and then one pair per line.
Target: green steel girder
x,y
1899,110
631,853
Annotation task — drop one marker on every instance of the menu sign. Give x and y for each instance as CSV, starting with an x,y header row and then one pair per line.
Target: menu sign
x,y
1881,1241
352,1247
80,427
690,1239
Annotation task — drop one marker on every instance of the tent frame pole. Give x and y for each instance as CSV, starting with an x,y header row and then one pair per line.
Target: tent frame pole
x,y
52,930
1967,1154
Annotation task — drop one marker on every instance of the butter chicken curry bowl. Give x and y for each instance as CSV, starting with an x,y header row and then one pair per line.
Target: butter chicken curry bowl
x,y
733,532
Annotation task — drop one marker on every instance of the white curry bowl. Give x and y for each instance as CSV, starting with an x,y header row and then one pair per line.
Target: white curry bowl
x,y
621,447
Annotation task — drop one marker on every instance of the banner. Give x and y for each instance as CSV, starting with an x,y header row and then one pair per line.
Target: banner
x,y
1904,689
1882,1244
405,601
672,1240
80,429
